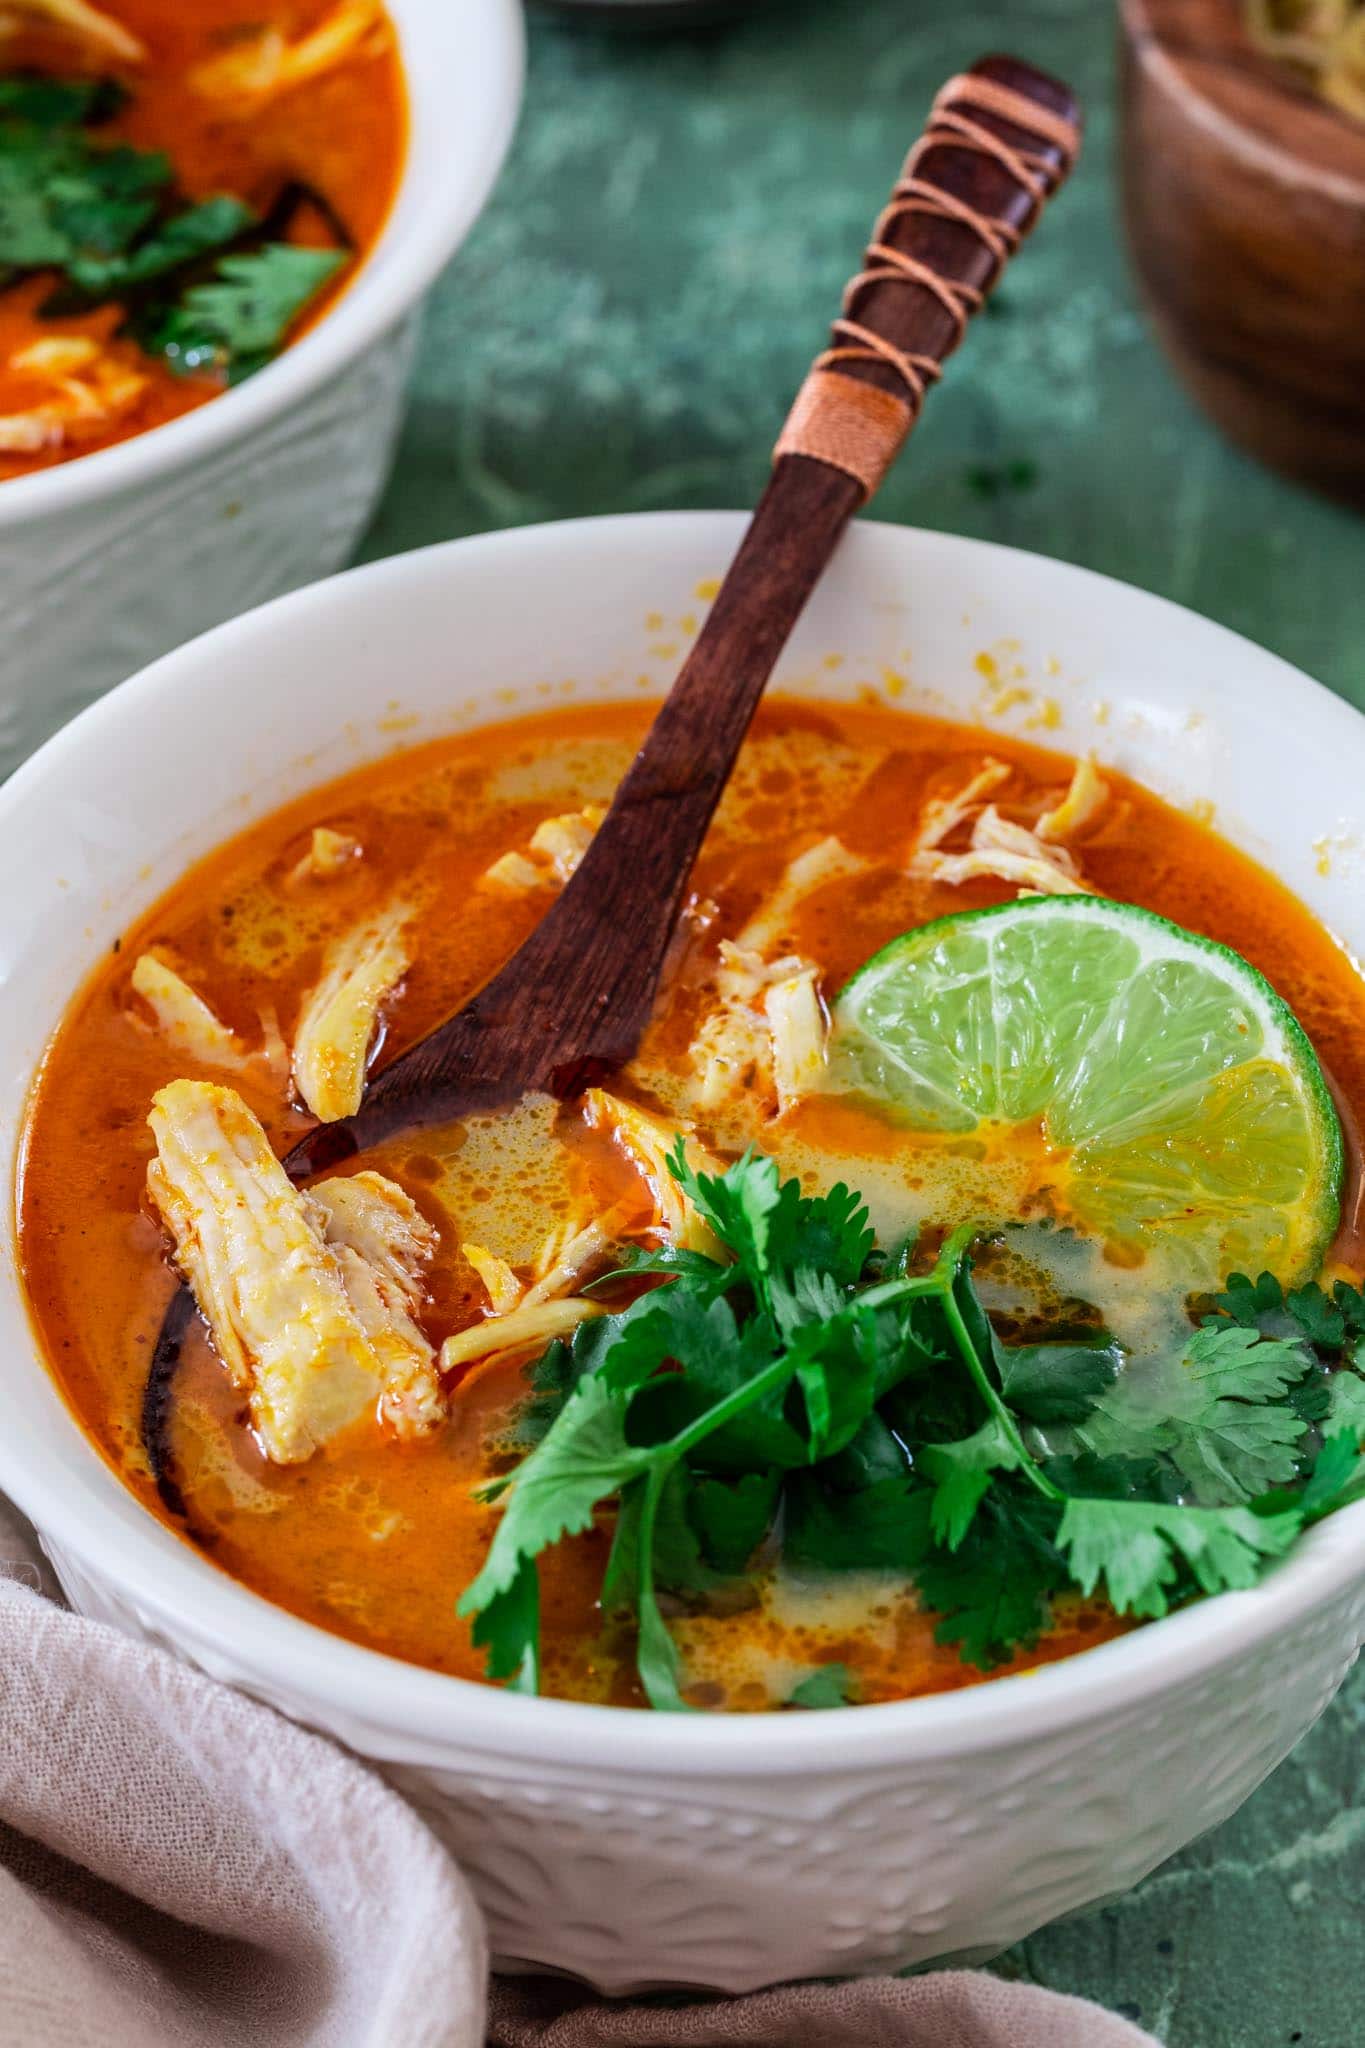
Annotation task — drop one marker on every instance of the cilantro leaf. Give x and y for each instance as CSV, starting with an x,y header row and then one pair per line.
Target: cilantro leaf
x,y
33,97
1215,1408
963,1471
883,1527
1247,1301
739,1206
62,197
508,1628
185,237
993,1592
1056,1382
830,1234
238,319
1143,1551
829,1685
732,1517
1337,1477
1346,1403
584,1458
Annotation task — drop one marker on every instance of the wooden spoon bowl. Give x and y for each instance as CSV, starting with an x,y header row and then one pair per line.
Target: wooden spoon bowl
x,y
1244,196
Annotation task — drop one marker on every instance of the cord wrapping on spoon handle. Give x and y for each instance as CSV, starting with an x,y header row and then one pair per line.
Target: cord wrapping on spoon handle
x,y
856,422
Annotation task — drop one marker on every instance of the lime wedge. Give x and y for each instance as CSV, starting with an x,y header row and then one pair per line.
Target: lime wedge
x,y
1160,1094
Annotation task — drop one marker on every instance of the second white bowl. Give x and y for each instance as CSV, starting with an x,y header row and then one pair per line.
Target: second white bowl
x,y
112,559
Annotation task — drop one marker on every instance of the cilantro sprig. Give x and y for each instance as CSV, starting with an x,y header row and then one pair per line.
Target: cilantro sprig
x,y
810,1396
209,284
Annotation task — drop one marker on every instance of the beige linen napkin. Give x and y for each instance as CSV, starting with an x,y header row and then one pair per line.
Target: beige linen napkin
x,y
182,1868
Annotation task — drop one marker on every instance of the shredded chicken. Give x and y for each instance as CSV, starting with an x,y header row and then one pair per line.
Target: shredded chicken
x,y
258,67
190,1027
329,854
567,1258
736,1052
337,1025
646,1143
91,25
183,1018
503,1288
383,1245
268,1286
515,871
1084,800
90,387
528,1328
942,815
555,850
999,848
798,1031
732,1053
829,860
563,841
1041,876
993,833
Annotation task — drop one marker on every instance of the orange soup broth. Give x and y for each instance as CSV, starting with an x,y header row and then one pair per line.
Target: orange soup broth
x,y
342,134
372,1538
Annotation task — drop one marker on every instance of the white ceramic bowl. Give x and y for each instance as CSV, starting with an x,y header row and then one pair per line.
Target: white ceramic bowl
x,y
110,560
633,1848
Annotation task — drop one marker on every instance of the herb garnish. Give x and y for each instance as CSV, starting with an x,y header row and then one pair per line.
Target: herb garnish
x,y
816,1393
207,284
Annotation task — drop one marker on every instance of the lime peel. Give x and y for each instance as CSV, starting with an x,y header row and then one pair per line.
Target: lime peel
x,y
1179,1103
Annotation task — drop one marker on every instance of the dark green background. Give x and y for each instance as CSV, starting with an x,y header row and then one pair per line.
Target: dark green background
x,y
623,332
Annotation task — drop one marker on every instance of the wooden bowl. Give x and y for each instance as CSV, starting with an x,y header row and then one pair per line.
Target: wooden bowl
x,y
1244,197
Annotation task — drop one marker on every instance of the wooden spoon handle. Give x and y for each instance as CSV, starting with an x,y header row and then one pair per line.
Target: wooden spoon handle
x,y
576,997
625,897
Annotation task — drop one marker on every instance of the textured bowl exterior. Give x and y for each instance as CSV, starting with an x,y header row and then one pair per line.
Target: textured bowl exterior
x,y
655,1880
639,1849
108,562
92,594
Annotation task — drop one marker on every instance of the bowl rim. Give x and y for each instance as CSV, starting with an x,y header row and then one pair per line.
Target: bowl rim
x,y
174,1587
414,250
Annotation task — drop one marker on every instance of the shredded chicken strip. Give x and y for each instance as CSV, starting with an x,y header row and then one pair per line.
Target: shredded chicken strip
x,y
829,860
732,1053
646,1143
260,66
268,1286
1041,877
515,871
798,1032
1084,800
89,385
337,1025
565,1264
329,854
384,1245
993,833
183,1018
556,848
942,815
528,1328
501,1284
190,1027
1004,851
88,24
563,841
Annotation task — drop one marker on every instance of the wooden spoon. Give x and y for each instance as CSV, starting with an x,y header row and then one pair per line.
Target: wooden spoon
x,y
573,1001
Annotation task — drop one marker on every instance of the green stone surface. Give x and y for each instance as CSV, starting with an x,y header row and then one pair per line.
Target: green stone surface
x,y
623,332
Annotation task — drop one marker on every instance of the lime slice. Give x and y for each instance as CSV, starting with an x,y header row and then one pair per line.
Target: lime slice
x,y
1160,1094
